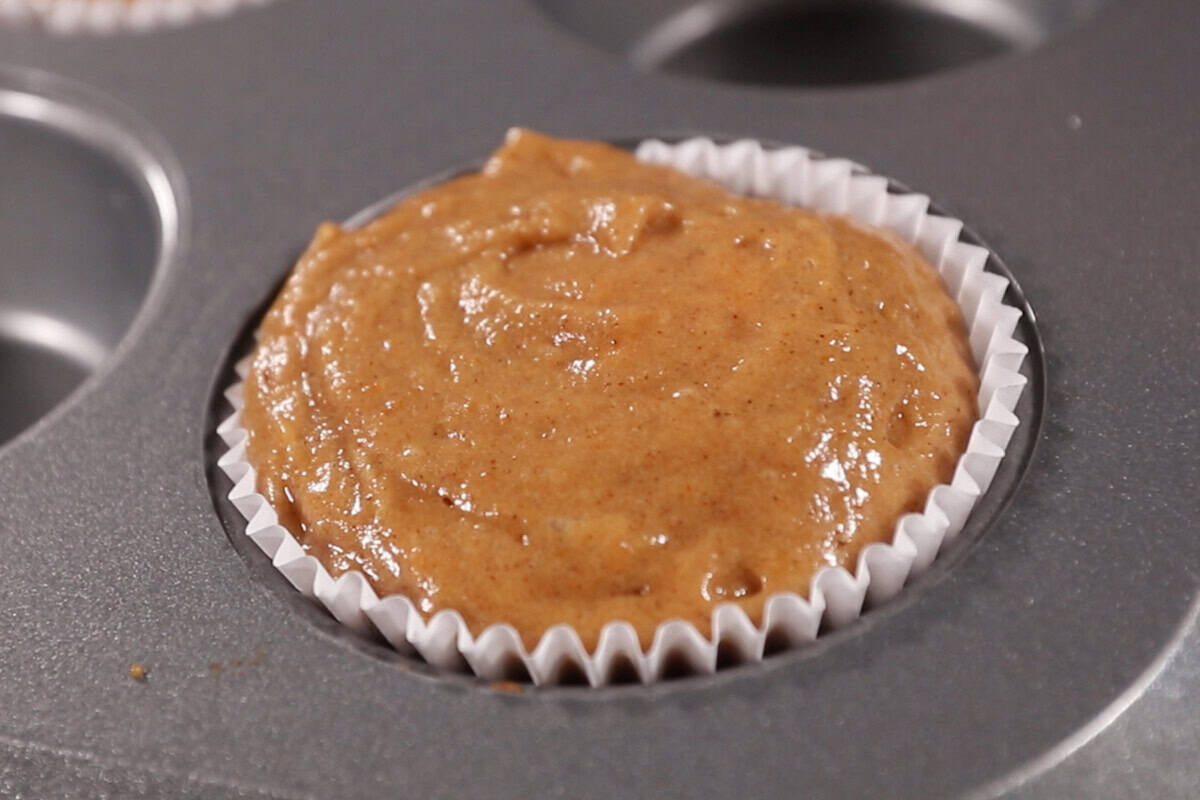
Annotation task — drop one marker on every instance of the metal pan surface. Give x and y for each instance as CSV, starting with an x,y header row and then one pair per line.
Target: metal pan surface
x,y
1057,656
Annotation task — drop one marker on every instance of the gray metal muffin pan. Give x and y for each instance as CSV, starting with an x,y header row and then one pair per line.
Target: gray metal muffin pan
x,y
1054,654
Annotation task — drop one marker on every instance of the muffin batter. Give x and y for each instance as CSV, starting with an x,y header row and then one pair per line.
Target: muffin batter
x,y
577,388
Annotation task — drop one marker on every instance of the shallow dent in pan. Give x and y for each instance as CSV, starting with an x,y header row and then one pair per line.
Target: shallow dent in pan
x,y
814,42
87,219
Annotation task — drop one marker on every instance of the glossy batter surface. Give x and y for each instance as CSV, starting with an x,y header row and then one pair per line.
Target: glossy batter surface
x,y
576,388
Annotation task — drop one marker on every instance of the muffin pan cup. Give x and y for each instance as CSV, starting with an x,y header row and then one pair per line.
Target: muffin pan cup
x,y
835,596
1051,650
89,221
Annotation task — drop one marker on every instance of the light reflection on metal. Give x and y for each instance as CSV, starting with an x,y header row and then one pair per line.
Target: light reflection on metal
x,y
53,334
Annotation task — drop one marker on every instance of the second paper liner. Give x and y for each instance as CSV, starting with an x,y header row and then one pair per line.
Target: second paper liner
x,y
103,17
794,176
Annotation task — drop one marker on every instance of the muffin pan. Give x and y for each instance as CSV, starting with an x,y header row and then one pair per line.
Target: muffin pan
x,y
1052,654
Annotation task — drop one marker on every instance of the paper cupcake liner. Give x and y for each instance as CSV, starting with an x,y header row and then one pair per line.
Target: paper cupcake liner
x,y
69,17
794,176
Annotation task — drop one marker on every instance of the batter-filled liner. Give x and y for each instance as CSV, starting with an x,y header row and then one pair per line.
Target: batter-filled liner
x,y
793,176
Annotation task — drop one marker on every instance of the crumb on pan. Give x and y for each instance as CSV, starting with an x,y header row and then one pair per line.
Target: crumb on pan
x,y
510,687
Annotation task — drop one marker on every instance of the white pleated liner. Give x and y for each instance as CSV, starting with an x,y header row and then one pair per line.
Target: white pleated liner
x,y
69,17
794,176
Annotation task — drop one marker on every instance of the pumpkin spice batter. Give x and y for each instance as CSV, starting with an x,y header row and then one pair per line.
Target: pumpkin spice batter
x,y
576,388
